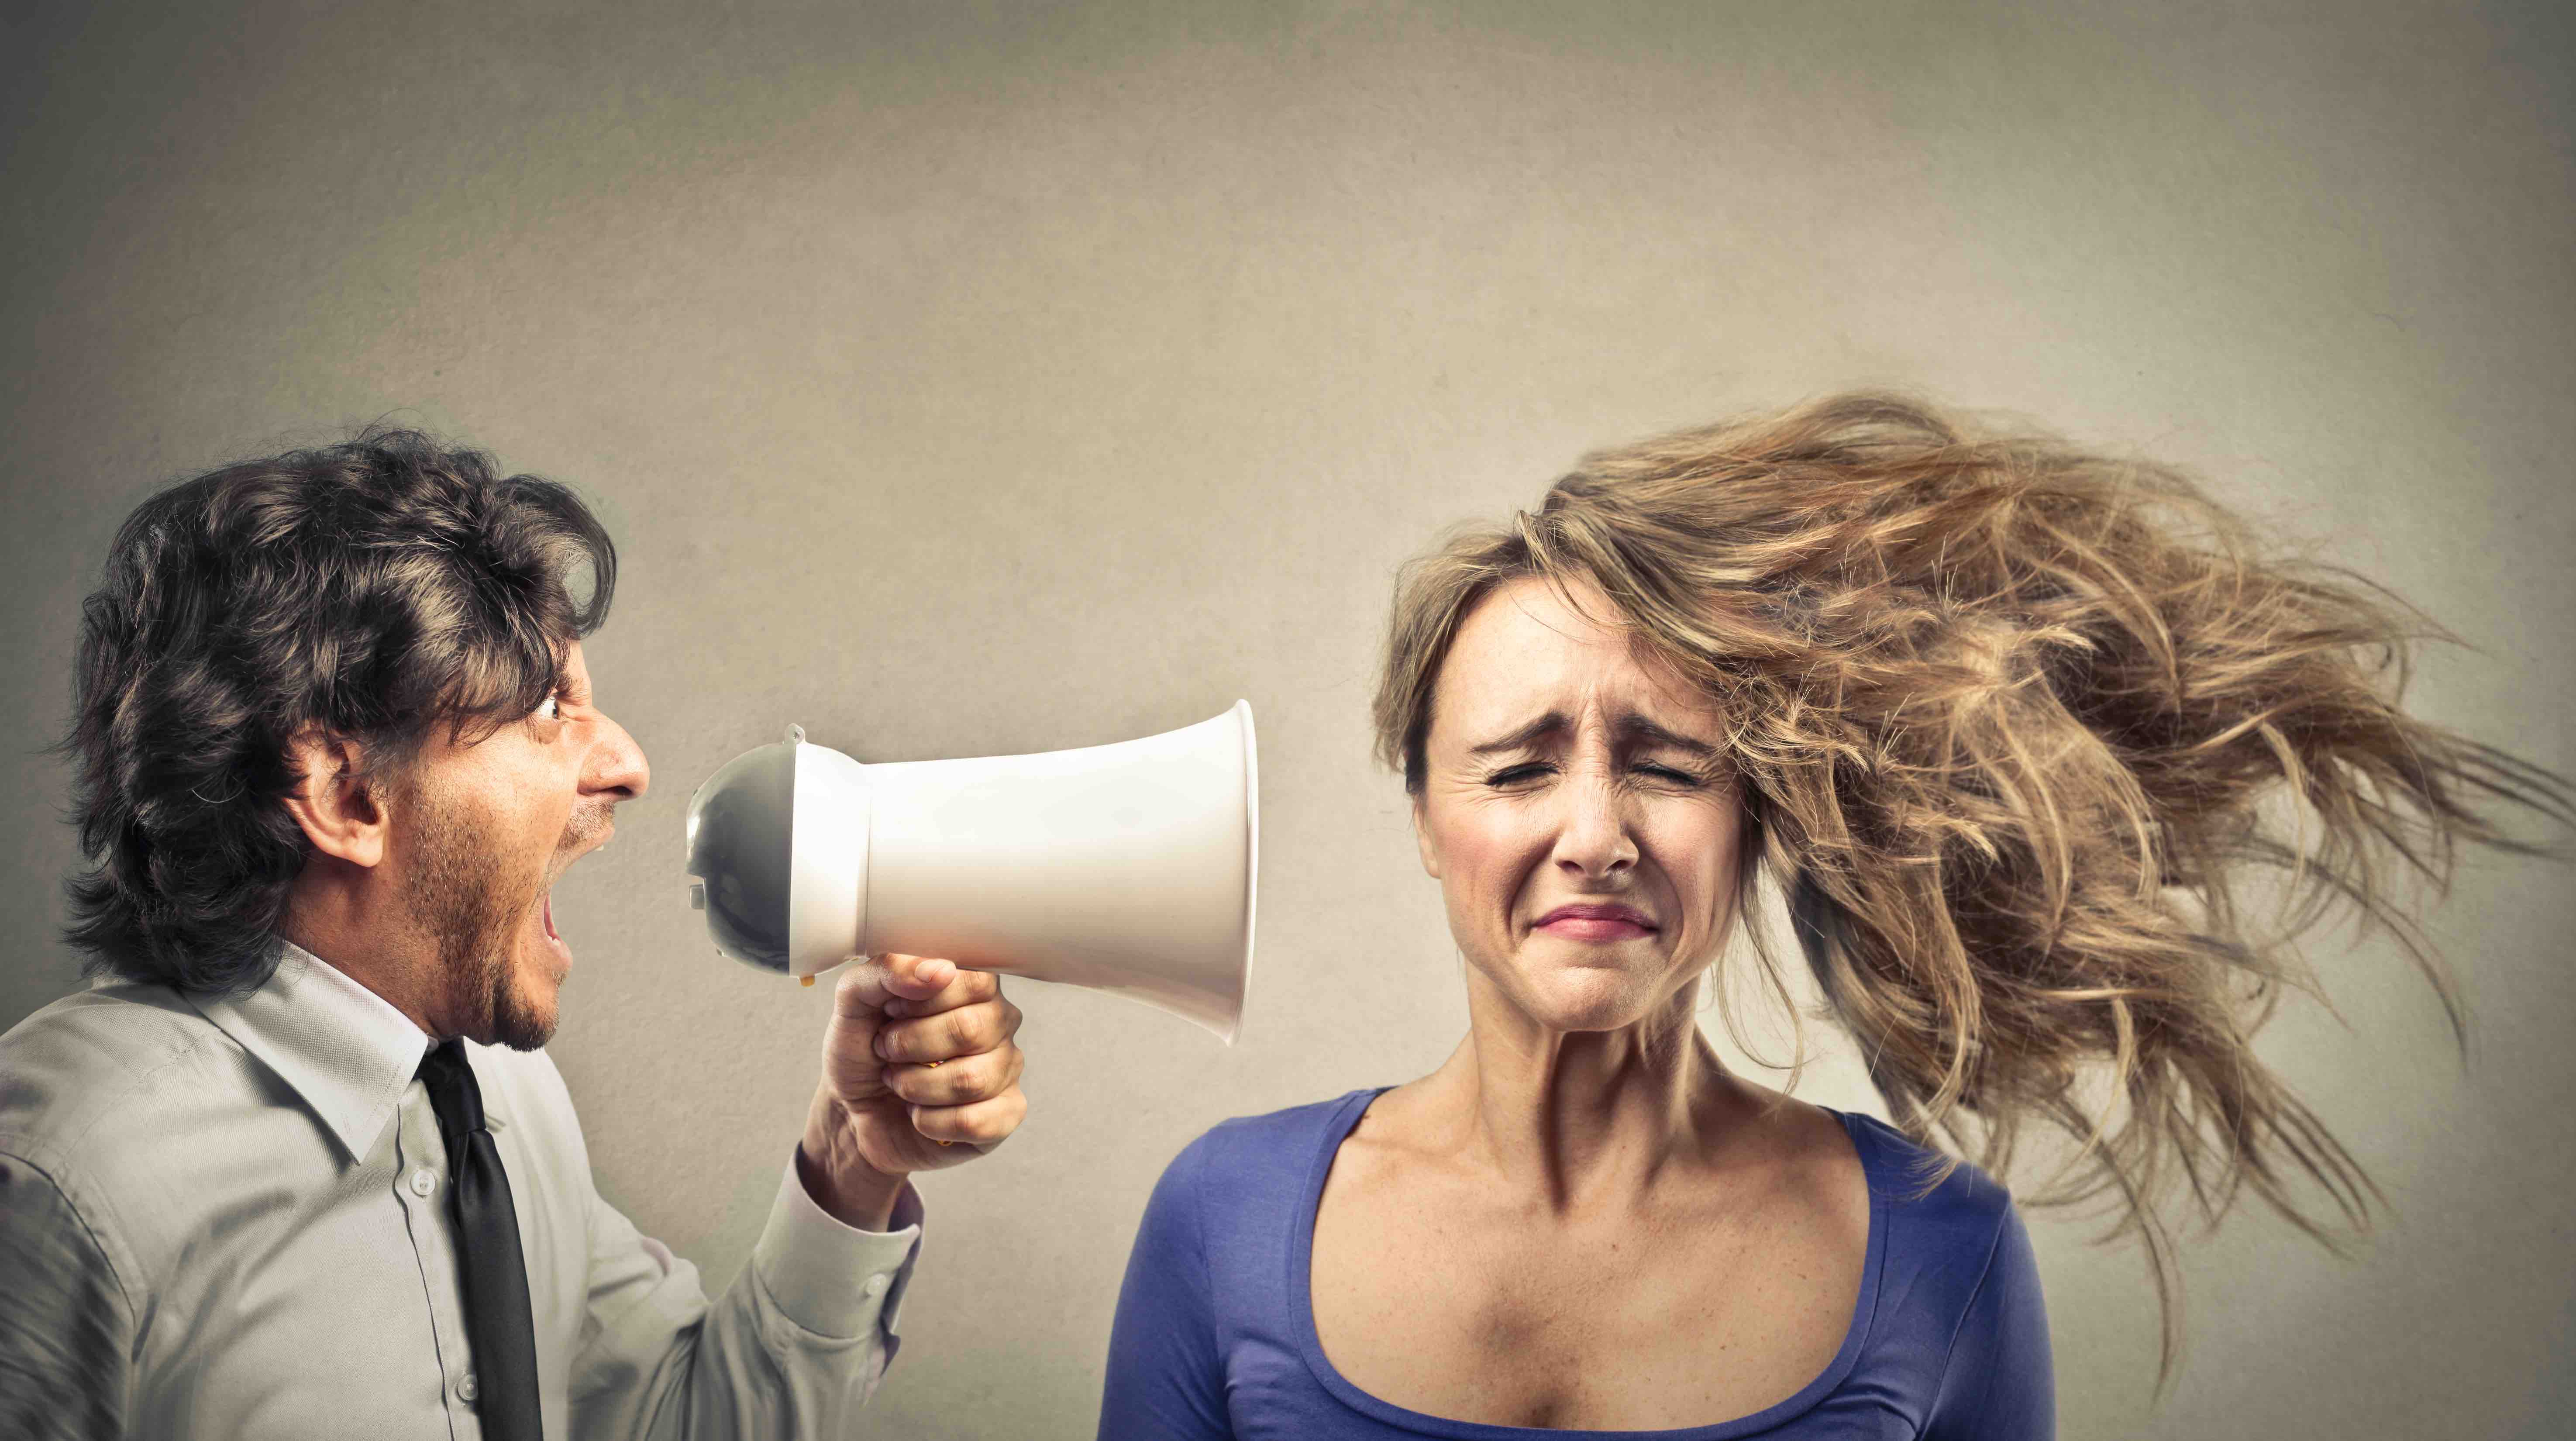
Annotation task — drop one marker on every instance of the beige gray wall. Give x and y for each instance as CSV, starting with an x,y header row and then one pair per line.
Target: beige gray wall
x,y
969,379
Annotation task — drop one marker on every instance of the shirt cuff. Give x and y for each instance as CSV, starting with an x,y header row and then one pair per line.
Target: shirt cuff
x,y
830,1277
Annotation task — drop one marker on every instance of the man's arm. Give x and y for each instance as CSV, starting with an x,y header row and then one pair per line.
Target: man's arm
x,y
919,1072
66,1331
793,1348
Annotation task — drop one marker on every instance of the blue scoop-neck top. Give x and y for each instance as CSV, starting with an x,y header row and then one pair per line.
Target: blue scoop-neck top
x,y
1215,1332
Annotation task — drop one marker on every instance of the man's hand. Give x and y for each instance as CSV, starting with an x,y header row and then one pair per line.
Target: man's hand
x,y
919,1072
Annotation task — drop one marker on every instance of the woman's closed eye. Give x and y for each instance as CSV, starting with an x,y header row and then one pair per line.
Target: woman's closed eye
x,y
1529,772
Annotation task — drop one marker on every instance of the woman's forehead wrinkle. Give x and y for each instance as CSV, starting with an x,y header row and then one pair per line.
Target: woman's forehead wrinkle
x,y
1630,727
1541,653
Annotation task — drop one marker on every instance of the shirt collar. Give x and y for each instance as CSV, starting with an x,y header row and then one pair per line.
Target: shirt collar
x,y
344,1049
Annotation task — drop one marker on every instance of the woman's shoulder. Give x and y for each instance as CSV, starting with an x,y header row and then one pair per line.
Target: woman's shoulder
x,y
1917,1176
1266,1151
1242,1139
1945,1217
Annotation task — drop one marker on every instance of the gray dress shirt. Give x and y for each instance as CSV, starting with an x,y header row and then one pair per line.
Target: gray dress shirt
x,y
228,1218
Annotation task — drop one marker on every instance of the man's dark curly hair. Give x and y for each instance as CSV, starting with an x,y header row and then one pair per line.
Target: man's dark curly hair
x,y
363,592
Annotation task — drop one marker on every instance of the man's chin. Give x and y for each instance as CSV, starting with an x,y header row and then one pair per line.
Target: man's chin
x,y
523,1014
521,1031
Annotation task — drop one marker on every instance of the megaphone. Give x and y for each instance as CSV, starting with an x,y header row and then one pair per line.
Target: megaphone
x,y
1124,868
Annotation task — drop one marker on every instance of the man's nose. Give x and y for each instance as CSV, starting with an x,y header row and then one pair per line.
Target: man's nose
x,y
617,763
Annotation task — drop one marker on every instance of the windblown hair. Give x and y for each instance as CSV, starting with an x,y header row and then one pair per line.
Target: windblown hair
x,y
2015,727
365,592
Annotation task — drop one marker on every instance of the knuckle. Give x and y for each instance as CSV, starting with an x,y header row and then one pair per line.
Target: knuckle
x,y
992,1029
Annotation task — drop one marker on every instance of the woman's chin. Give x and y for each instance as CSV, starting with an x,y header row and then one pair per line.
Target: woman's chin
x,y
1587,998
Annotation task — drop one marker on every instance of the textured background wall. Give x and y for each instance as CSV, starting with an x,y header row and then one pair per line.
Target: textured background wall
x,y
962,379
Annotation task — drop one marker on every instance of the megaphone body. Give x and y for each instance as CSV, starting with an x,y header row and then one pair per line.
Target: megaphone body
x,y
1126,868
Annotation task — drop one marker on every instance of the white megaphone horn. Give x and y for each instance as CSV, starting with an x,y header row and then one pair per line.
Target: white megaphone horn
x,y
1125,868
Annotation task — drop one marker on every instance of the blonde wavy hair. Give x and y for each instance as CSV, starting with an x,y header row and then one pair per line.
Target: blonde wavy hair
x,y
2015,726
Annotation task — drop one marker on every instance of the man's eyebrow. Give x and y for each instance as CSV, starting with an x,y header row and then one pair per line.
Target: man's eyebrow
x,y
1519,739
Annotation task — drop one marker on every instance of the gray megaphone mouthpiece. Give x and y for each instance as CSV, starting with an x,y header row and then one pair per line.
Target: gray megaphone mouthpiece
x,y
1125,868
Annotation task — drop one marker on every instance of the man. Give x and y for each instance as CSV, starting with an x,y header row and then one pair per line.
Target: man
x,y
297,1165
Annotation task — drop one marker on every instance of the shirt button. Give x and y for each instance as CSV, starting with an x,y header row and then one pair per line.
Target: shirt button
x,y
875,1287
465,1387
424,1181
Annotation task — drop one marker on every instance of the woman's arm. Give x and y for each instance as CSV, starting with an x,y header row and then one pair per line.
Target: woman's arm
x,y
1166,1379
2000,1384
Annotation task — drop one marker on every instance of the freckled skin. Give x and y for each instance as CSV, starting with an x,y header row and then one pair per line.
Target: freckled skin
x,y
1580,815
1581,1221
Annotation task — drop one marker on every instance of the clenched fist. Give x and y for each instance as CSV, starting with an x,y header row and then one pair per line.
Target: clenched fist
x,y
919,1072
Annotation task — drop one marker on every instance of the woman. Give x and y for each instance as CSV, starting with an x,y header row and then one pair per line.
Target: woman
x,y
2008,724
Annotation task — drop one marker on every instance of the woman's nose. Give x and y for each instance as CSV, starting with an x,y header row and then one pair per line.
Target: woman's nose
x,y
1592,835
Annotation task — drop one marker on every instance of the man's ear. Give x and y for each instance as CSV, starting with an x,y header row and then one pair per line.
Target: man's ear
x,y
1422,842
341,813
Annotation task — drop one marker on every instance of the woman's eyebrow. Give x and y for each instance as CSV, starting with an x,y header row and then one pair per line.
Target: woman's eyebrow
x,y
1550,723
1634,727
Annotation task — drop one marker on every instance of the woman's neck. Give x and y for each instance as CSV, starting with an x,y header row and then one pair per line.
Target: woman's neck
x,y
1582,1120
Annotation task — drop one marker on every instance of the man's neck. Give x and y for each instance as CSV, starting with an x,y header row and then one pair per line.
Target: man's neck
x,y
359,934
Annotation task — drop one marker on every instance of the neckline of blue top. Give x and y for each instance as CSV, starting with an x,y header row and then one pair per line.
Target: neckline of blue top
x,y
1301,1302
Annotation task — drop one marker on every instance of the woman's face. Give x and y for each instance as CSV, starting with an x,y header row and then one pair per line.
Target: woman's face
x,y
1578,812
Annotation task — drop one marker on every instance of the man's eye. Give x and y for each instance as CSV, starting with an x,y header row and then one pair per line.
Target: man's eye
x,y
551,708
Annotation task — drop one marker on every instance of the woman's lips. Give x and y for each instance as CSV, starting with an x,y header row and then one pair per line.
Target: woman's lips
x,y
1596,923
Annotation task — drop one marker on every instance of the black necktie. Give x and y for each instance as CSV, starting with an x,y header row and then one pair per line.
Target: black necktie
x,y
488,1265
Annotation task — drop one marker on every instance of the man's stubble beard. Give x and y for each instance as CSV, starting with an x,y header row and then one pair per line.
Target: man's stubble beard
x,y
460,895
